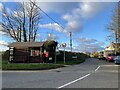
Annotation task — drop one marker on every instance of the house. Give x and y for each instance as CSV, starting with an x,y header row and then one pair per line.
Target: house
x,y
113,48
27,52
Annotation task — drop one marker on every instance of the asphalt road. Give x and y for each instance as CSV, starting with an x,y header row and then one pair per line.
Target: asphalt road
x,y
90,74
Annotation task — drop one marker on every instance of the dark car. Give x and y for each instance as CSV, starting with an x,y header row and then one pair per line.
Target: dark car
x,y
110,57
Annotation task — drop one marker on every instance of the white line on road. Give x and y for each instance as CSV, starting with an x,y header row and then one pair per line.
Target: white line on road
x,y
73,81
97,68
110,65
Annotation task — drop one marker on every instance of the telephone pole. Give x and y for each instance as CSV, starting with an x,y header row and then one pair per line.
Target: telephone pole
x,y
71,41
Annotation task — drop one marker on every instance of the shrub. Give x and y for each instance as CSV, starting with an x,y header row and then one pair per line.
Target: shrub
x,y
68,56
5,55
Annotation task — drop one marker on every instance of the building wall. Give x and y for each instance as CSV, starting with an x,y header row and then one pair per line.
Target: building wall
x,y
21,55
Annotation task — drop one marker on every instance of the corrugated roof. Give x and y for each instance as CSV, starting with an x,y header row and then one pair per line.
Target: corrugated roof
x,y
26,44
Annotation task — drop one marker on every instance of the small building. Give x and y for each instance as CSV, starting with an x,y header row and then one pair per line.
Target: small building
x,y
32,52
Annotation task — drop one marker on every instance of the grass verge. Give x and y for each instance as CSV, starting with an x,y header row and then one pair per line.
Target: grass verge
x,y
36,66
29,66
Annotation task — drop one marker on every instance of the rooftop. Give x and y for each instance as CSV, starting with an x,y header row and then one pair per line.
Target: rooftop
x,y
26,44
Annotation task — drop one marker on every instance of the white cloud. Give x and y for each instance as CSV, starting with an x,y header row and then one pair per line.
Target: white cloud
x,y
89,45
1,28
1,31
73,13
52,37
59,7
86,40
76,17
73,22
1,6
53,26
90,9
3,48
3,43
86,45
62,0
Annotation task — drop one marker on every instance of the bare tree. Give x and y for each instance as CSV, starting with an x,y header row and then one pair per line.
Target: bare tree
x,y
21,23
114,27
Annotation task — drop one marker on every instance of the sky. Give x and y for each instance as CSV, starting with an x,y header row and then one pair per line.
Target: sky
x,y
86,20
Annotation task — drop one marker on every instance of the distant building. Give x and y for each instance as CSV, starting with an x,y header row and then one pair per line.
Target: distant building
x,y
113,48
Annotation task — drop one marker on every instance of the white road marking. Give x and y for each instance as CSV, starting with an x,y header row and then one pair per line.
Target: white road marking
x,y
110,65
73,81
97,68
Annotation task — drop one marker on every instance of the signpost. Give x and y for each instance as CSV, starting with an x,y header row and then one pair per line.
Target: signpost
x,y
64,45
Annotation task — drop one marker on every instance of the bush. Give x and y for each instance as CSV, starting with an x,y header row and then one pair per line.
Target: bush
x,y
5,55
68,57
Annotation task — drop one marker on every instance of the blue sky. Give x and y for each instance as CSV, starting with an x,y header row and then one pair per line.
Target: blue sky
x,y
86,20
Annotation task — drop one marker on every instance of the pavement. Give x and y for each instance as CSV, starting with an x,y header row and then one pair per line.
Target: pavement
x,y
92,73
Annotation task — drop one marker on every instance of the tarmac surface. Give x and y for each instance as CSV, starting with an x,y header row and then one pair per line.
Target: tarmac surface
x,y
93,73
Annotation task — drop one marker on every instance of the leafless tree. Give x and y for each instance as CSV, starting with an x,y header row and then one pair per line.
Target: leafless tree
x,y
114,27
22,22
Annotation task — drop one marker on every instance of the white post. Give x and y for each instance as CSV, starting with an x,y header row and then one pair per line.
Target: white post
x,y
64,55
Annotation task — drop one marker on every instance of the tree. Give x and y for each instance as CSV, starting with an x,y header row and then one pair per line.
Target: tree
x,y
50,45
22,22
114,27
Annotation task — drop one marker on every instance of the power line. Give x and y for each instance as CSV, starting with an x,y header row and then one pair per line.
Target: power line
x,y
55,22
48,15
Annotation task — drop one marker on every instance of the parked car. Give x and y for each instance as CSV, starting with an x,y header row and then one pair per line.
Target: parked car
x,y
117,60
101,57
110,57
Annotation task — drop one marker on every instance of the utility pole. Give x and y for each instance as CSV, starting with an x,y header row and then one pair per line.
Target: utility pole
x,y
116,39
71,41
64,45
64,55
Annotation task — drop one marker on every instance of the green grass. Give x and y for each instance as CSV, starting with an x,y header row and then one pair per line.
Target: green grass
x,y
36,66
29,66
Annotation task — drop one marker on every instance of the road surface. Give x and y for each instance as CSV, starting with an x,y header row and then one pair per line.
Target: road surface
x,y
90,74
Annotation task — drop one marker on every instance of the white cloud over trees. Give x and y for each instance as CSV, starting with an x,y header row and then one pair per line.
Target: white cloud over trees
x,y
76,16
